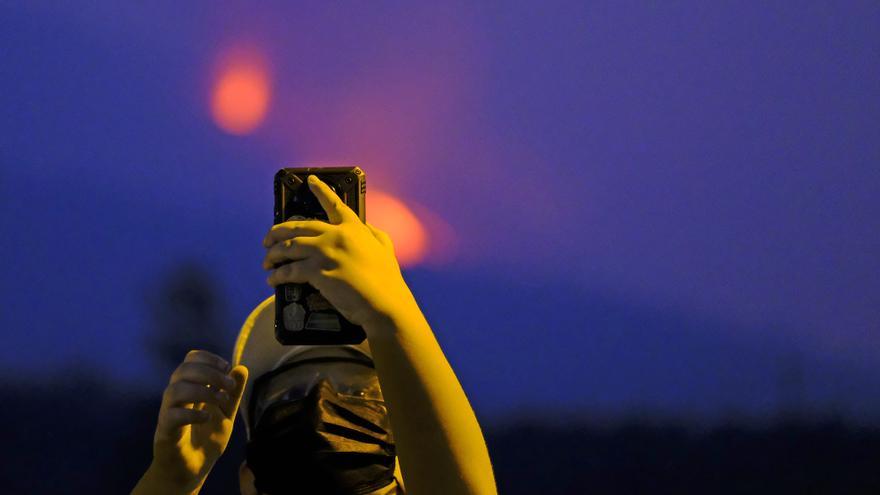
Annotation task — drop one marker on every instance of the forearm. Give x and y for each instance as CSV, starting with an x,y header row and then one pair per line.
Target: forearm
x,y
154,482
440,445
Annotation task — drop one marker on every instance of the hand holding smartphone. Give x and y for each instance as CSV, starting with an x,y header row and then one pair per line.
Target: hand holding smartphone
x,y
302,315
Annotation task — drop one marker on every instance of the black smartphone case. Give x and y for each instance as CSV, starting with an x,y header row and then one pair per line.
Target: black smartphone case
x,y
302,315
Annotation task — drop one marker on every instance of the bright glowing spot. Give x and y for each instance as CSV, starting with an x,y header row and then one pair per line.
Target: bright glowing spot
x,y
241,93
388,213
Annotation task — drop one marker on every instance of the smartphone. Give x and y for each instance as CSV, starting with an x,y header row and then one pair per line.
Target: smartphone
x,y
302,315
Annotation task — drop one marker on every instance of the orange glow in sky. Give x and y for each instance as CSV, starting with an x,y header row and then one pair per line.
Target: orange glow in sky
x,y
409,236
241,91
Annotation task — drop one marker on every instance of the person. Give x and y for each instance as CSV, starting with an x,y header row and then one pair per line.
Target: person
x,y
334,414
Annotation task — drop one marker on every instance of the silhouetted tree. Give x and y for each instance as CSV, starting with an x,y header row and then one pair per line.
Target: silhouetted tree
x,y
187,313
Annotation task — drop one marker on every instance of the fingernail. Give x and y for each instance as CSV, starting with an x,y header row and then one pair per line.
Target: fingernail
x,y
230,382
313,179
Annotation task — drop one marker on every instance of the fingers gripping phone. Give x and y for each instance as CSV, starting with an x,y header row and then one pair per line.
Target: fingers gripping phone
x,y
302,315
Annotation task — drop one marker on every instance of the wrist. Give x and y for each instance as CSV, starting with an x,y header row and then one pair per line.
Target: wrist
x,y
157,481
401,313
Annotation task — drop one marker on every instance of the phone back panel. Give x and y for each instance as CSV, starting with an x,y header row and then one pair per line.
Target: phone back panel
x,y
302,315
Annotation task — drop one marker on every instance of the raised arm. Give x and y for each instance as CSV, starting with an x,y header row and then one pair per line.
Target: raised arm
x,y
352,264
195,422
440,445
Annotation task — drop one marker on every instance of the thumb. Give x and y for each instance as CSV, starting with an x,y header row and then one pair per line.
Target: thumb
x,y
240,374
337,211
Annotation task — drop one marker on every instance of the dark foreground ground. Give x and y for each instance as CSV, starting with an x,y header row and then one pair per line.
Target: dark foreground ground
x,y
85,438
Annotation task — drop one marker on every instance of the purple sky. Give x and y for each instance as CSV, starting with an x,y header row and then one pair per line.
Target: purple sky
x,y
656,204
